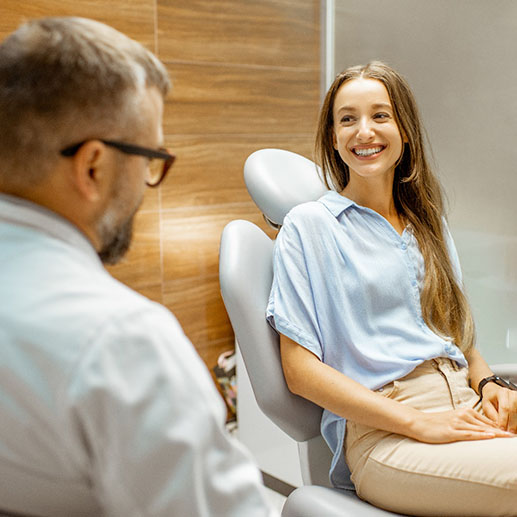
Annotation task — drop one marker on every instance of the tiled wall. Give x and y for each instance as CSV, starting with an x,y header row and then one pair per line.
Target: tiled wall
x,y
246,75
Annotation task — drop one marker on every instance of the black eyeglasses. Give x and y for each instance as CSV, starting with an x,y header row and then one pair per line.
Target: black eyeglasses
x,y
161,159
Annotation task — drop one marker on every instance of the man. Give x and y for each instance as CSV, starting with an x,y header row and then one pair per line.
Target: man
x,y
105,408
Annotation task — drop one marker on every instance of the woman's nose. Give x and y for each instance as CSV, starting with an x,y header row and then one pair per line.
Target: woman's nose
x,y
364,130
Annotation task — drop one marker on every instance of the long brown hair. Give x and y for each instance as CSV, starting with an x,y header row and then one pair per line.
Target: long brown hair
x,y
418,198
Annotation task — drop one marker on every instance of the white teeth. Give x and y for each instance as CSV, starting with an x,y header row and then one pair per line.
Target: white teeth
x,y
368,152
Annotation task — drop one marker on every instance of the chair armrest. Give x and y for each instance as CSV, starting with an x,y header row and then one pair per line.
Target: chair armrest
x,y
308,501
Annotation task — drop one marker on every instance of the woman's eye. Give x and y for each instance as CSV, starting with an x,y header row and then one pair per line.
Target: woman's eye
x,y
381,116
347,119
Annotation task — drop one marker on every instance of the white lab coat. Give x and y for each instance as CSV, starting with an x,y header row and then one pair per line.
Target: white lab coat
x,y
105,407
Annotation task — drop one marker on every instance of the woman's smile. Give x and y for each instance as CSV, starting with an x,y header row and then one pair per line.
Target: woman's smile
x,y
368,152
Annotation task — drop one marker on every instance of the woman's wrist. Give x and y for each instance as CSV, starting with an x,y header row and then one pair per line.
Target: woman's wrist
x,y
488,388
411,423
494,383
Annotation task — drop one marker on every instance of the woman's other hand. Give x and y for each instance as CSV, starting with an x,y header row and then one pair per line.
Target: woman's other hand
x,y
500,405
453,426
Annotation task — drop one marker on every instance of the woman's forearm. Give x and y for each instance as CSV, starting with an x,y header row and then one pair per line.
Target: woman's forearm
x,y
308,377
478,369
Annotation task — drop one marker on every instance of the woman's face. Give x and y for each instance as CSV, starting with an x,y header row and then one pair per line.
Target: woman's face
x,y
366,134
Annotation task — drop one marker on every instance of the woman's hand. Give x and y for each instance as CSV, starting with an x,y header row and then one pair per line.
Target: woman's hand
x,y
454,426
500,405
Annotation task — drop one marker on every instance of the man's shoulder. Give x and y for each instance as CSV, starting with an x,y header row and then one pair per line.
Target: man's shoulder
x,y
61,304
109,301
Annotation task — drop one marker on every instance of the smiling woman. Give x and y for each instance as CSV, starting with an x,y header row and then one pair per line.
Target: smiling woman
x,y
397,182
374,326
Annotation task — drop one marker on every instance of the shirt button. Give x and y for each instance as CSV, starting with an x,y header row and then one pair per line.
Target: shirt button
x,y
404,246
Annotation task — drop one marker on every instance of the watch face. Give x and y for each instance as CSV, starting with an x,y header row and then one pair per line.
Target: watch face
x,y
499,381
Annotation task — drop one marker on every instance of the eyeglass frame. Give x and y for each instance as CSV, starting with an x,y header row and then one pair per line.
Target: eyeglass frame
x,y
161,153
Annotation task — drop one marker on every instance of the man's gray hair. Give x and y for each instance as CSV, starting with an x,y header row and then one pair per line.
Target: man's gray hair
x,y
65,80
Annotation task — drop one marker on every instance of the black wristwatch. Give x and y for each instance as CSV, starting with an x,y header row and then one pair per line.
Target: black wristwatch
x,y
498,380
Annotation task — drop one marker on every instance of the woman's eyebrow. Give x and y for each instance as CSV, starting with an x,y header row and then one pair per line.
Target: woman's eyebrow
x,y
379,105
346,108
382,105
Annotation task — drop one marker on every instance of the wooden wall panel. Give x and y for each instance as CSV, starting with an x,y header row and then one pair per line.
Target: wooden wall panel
x,y
267,32
197,304
191,238
245,76
136,18
209,168
222,99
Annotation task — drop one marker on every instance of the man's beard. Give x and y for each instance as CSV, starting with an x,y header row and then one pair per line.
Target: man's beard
x,y
115,236
115,239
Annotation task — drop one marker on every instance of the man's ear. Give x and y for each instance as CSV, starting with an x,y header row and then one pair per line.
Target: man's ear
x,y
89,170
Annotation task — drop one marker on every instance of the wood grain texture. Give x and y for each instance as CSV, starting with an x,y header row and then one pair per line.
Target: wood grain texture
x,y
223,99
268,33
191,238
136,18
197,304
198,307
151,201
209,168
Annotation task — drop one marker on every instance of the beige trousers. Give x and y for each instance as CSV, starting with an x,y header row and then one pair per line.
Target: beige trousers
x,y
462,479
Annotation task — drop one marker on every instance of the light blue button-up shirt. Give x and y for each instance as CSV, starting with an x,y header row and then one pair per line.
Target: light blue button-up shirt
x,y
347,287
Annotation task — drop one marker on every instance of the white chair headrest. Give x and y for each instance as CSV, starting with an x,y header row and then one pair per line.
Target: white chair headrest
x,y
278,180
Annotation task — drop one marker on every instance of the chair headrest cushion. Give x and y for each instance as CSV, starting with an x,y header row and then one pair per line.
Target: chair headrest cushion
x,y
278,180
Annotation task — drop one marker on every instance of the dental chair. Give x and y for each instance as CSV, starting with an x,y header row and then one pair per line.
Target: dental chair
x,y
278,180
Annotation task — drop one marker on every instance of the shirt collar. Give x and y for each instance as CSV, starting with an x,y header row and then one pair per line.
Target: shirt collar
x,y
19,211
335,203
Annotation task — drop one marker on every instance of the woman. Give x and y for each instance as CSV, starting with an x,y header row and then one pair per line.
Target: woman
x,y
374,326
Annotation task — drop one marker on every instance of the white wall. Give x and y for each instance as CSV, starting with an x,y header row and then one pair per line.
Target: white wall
x,y
460,57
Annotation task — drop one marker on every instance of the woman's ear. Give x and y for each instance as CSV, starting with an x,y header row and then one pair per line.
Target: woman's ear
x,y
405,139
334,139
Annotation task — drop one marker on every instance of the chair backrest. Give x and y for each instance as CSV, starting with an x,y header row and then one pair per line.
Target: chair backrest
x,y
246,274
